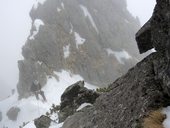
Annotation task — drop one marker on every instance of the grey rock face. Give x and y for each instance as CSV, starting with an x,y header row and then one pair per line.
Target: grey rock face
x,y
43,122
143,38
73,97
31,71
132,97
13,113
156,32
84,37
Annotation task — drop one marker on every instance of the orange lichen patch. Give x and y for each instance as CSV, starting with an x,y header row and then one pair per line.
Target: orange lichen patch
x,y
154,120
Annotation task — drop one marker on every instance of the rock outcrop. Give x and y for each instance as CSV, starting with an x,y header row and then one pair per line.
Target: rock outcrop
x,y
156,32
73,97
143,89
13,113
42,122
92,38
131,98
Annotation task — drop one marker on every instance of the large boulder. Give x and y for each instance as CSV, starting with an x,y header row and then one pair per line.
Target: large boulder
x,y
12,113
143,38
42,122
73,97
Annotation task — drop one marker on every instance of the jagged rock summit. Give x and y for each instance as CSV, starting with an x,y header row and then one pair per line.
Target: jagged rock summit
x,y
92,38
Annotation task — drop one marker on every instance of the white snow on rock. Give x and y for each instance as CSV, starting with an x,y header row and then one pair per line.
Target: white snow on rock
x,y
83,106
31,108
87,14
30,125
79,40
166,122
66,51
58,9
37,2
37,24
54,125
62,5
40,62
153,50
120,55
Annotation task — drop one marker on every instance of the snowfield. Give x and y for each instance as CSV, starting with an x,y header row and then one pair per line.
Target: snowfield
x,y
31,108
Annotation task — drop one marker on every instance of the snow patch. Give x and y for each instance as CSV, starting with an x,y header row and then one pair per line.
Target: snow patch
x,y
83,106
66,51
37,24
58,9
30,125
79,40
153,50
87,14
37,2
54,125
120,55
62,5
39,62
166,122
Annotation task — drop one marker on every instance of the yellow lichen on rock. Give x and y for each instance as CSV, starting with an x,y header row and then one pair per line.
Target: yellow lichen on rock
x,y
154,120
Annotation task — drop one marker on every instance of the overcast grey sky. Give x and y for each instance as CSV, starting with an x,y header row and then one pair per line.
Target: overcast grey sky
x,y
15,25
141,8
14,28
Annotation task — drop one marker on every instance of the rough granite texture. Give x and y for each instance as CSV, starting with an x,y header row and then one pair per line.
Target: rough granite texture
x,y
107,25
131,98
156,32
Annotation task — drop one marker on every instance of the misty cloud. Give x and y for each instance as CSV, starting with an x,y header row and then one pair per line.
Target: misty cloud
x,y
15,24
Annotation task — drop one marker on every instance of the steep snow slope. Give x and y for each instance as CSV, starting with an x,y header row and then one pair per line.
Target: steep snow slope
x,y
31,108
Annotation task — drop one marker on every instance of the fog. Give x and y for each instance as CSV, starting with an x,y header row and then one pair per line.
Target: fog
x,y
15,25
141,8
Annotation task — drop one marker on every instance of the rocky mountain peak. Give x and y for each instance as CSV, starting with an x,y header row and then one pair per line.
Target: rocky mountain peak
x,y
83,37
